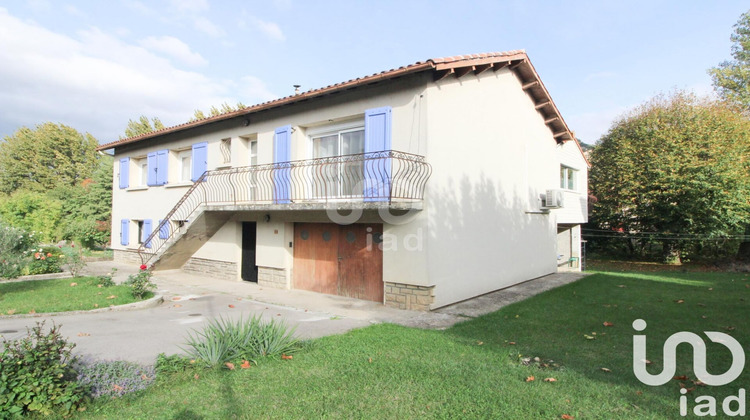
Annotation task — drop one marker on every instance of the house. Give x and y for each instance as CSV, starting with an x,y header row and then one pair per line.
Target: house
x,y
416,187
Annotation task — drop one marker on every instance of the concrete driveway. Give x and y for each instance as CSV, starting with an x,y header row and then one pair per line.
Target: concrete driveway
x,y
190,301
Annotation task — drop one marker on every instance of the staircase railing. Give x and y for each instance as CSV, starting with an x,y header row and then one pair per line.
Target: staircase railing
x,y
388,176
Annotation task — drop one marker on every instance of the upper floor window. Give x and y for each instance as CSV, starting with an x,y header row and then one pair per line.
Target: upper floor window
x,y
253,152
343,142
568,178
184,162
142,171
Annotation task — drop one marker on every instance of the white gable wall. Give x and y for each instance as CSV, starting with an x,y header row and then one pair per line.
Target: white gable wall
x,y
492,156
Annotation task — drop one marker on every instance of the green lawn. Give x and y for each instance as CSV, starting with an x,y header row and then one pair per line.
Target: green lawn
x,y
474,370
59,296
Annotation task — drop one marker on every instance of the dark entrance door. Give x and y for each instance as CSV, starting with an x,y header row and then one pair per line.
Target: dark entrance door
x,y
249,269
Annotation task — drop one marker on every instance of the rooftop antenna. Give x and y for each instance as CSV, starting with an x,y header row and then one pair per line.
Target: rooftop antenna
x,y
296,89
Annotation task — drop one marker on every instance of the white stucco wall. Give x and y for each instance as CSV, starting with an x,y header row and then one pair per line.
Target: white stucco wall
x,y
490,164
575,208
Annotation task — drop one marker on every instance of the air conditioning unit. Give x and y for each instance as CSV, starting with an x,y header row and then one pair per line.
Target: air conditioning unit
x,y
553,199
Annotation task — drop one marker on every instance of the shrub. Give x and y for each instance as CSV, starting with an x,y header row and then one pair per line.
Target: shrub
x,y
36,375
73,257
224,340
13,243
89,233
141,283
106,280
45,260
114,378
34,211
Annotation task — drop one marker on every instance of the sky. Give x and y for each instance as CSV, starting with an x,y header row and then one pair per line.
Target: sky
x,y
94,65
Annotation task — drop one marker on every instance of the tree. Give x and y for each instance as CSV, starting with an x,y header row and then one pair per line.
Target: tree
x,y
214,111
732,81
48,156
142,126
732,78
677,165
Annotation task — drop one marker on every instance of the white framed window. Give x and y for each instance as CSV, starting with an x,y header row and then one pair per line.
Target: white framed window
x,y
142,172
253,147
184,162
343,179
568,178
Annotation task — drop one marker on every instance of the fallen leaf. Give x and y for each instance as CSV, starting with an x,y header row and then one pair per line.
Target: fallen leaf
x,y
680,378
176,298
96,305
646,361
111,297
608,324
729,328
32,311
747,286
710,288
550,380
99,286
370,360
82,334
11,311
606,370
703,316
177,305
567,417
196,376
73,284
479,343
702,305
679,301
699,383
144,377
621,285
588,337
638,392
229,365
512,343
285,357
245,364
231,306
530,378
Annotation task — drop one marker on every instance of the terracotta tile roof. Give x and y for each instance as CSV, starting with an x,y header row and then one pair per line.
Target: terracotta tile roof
x,y
444,66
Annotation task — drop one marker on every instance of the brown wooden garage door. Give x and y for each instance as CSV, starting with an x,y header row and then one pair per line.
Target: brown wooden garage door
x,y
339,260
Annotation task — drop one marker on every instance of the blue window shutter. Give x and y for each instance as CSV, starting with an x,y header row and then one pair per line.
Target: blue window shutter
x,y
200,160
377,165
282,152
164,230
151,163
124,231
161,167
146,232
124,172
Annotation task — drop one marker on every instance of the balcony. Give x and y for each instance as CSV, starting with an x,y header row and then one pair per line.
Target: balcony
x,y
388,179
366,180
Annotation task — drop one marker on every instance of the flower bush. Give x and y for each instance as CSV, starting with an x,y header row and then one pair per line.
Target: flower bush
x,y
45,260
141,283
13,243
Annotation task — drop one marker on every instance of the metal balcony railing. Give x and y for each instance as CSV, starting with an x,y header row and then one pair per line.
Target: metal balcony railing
x,y
367,179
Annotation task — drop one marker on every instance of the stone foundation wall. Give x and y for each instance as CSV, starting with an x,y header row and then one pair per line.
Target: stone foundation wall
x,y
212,268
407,296
272,277
126,256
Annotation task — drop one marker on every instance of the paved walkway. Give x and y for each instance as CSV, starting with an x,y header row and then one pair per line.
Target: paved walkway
x,y
191,300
